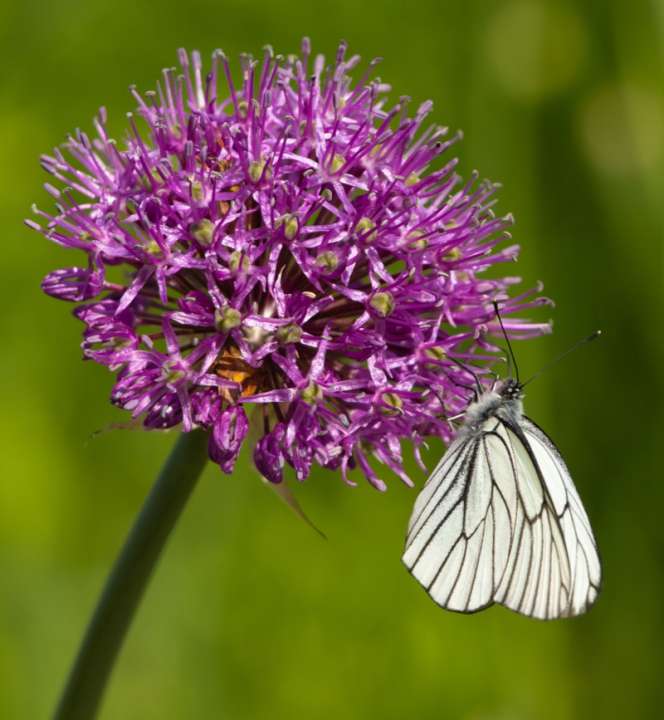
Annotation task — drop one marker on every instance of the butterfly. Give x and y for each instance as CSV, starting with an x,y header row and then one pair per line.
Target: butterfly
x,y
500,521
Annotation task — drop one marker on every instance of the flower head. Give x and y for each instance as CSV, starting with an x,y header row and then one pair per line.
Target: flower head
x,y
289,253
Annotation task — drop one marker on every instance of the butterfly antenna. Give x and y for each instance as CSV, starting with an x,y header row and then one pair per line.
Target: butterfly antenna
x,y
511,358
578,344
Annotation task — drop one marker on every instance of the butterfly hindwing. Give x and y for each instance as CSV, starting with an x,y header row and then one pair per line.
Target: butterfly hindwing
x,y
437,516
459,543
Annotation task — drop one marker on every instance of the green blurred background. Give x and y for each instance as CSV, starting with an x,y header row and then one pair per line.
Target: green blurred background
x,y
250,614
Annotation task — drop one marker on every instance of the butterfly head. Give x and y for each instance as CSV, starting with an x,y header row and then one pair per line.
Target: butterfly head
x,y
510,389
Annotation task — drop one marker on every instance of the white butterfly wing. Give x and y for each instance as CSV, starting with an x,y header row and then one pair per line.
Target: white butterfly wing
x,y
564,504
499,520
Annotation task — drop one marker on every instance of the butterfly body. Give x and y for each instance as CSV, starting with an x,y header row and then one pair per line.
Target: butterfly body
x,y
505,400
500,521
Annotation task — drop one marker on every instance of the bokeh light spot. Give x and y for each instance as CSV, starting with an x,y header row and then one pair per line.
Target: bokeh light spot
x,y
536,49
621,129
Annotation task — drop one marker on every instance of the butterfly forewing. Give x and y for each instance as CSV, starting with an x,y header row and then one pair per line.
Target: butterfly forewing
x,y
585,568
499,520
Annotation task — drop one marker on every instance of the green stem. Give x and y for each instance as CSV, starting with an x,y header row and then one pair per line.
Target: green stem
x,y
129,578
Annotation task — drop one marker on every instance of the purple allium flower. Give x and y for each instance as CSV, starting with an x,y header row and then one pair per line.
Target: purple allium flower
x,y
293,255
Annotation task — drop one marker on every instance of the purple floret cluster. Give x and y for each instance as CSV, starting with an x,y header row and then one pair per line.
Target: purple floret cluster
x,y
291,261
